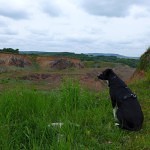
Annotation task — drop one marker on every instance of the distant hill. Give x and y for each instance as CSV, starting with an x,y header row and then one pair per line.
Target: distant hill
x,y
110,54
73,54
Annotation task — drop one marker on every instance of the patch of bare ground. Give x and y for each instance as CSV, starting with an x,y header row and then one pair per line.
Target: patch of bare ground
x,y
124,72
90,80
59,62
43,81
14,60
137,75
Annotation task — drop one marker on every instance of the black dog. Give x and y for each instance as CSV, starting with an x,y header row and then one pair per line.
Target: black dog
x,y
126,109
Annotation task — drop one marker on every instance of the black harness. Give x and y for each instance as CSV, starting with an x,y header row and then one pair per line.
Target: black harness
x,y
129,96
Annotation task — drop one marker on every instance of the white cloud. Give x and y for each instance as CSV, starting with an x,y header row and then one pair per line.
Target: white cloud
x,y
110,8
51,8
137,11
79,26
13,9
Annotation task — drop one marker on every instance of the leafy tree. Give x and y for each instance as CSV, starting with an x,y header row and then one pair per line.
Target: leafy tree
x,y
9,50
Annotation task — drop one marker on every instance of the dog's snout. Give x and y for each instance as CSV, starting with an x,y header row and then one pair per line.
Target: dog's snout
x,y
98,75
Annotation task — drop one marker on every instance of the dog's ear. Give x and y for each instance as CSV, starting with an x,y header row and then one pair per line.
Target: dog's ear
x,y
105,74
108,71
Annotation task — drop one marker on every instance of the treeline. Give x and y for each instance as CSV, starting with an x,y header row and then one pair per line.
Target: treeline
x,y
9,50
84,57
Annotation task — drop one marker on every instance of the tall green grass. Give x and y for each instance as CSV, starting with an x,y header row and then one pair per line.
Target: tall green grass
x,y
26,118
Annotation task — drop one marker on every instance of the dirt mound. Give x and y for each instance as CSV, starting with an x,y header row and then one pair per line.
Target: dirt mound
x,y
138,74
14,60
59,63
37,77
62,64
90,81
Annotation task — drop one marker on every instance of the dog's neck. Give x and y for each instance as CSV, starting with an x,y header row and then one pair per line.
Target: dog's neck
x,y
115,81
113,77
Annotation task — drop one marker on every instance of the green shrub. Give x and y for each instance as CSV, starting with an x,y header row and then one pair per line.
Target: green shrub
x,y
9,50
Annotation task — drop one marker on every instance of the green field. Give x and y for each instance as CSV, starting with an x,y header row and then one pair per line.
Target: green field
x,y
27,116
48,114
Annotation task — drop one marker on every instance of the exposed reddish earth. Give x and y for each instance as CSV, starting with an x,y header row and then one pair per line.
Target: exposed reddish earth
x,y
58,62
14,60
43,61
138,74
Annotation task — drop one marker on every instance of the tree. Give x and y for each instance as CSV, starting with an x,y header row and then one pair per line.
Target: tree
x,y
9,50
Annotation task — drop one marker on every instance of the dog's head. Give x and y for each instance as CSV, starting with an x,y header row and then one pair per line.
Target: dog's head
x,y
105,74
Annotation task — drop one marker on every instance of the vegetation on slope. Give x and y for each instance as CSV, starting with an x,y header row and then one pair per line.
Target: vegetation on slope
x,y
144,63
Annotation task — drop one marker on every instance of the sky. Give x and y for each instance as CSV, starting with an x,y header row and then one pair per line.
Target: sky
x,y
80,26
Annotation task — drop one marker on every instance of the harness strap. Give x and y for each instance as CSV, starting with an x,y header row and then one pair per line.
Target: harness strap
x,y
130,95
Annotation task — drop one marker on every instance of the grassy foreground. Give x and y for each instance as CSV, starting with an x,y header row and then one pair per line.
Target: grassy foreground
x,y
26,118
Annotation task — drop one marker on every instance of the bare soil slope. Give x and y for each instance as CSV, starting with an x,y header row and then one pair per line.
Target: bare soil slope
x,y
59,62
144,66
14,60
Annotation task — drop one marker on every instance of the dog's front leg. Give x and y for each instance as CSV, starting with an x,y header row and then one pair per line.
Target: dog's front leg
x,y
115,116
114,113
115,108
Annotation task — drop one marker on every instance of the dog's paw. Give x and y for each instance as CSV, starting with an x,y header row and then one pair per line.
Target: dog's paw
x,y
117,124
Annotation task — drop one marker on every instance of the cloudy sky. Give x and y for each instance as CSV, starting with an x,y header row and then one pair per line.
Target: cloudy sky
x,y
81,26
